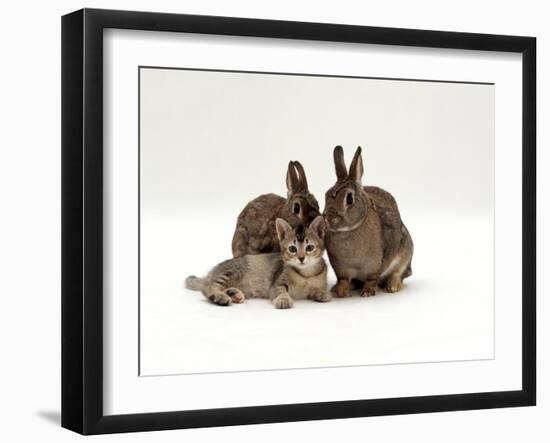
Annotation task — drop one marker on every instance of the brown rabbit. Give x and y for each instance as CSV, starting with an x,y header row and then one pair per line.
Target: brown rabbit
x,y
255,232
367,243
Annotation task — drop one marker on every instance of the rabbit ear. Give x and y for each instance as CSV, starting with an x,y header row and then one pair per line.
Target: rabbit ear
x,y
318,225
356,167
302,176
292,180
339,164
282,228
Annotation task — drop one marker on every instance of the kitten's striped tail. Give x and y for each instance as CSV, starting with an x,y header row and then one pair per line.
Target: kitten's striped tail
x,y
195,283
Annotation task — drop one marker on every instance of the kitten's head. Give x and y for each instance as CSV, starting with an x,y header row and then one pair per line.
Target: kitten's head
x,y
301,247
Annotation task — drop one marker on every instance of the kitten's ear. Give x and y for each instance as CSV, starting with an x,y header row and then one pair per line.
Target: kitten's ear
x,y
318,226
302,176
282,227
292,179
339,164
356,167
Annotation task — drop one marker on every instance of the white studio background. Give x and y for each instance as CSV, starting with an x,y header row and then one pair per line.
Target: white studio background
x,y
30,187
212,141
431,144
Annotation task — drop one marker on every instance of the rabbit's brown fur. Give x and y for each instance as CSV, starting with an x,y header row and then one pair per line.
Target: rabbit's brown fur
x,y
367,243
255,232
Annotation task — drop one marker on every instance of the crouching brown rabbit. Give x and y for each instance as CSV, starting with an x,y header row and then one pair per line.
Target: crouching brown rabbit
x,y
367,243
255,232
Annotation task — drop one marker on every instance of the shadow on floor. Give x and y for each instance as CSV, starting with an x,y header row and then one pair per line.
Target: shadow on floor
x,y
54,417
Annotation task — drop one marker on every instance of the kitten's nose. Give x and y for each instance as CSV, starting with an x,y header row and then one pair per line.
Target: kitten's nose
x,y
301,259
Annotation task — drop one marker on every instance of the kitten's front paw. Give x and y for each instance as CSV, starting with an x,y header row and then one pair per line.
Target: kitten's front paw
x,y
219,298
319,295
283,301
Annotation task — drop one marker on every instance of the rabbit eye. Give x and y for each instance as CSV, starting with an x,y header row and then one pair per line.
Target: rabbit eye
x,y
296,208
292,249
310,248
349,198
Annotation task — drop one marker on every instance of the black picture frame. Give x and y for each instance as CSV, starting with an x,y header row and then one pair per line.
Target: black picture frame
x,y
82,220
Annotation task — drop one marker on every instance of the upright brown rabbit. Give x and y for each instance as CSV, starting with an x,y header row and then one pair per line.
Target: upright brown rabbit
x,y
255,232
367,243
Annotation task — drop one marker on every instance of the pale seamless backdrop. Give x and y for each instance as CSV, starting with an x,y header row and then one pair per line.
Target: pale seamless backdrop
x,y
211,141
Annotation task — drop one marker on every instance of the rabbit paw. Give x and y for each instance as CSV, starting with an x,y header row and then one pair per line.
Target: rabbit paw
x,y
368,291
283,301
319,295
393,285
235,294
342,289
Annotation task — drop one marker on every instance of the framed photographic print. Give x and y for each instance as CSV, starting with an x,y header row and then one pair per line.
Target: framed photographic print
x,y
269,221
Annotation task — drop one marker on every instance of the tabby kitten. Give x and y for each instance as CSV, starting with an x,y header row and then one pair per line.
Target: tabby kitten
x,y
298,271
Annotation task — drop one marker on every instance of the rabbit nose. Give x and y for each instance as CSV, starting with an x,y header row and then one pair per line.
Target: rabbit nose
x,y
331,217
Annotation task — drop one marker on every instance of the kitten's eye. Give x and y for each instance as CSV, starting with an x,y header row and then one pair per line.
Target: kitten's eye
x,y
296,208
310,248
349,198
292,249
